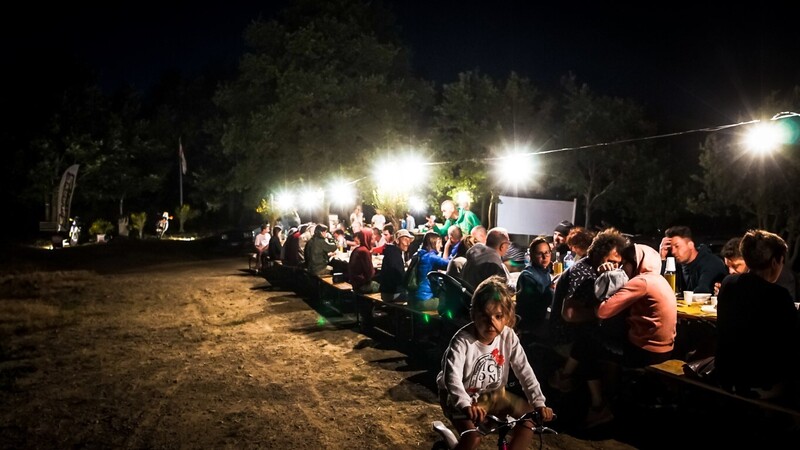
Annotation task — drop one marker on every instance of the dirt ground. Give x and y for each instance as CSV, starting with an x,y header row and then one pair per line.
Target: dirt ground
x,y
173,345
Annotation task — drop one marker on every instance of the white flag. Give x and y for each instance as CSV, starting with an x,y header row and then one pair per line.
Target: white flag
x,y
65,190
183,159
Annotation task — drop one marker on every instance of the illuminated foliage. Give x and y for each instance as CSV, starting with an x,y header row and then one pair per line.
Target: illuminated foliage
x,y
754,187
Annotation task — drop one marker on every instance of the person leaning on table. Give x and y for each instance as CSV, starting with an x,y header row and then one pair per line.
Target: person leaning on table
x,y
318,251
486,260
360,270
732,256
700,268
429,260
757,323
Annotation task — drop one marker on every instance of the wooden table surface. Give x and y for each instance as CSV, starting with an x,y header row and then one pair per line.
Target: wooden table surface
x,y
694,311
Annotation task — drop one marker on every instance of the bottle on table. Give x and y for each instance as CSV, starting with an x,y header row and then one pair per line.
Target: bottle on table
x,y
669,272
569,259
558,265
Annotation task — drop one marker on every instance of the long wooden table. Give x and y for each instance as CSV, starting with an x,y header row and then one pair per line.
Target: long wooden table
x,y
697,334
673,371
694,311
377,260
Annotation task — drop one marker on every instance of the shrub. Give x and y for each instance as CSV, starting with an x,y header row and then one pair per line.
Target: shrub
x,y
100,226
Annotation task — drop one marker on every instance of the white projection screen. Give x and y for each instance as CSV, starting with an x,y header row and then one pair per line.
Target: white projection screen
x,y
533,216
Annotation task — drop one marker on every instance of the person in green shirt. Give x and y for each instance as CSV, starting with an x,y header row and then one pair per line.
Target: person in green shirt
x,y
464,218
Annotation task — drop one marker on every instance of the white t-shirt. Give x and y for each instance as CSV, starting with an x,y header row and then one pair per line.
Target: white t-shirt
x,y
262,240
378,221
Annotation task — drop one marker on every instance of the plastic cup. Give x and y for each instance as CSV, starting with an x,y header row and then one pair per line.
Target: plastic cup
x,y
714,301
687,297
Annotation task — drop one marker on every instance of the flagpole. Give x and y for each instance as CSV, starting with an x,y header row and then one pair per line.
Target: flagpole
x,y
180,167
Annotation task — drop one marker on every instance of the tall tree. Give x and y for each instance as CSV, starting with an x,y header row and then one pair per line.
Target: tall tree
x,y
125,166
73,136
183,109
326,81
479,118
602,173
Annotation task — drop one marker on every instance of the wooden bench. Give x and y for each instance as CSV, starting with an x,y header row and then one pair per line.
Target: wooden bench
x,y
672,370
342,286
343,299
393,319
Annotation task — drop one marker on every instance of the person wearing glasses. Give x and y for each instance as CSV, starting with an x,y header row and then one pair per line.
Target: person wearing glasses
x,y
535,290
485,260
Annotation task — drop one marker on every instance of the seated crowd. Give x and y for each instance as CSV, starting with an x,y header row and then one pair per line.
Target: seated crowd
x,y
611,305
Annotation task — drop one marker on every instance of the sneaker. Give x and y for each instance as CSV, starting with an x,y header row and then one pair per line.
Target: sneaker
x,y
563,383
598,416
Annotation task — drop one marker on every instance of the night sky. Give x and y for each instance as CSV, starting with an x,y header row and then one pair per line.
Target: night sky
x,y
692,66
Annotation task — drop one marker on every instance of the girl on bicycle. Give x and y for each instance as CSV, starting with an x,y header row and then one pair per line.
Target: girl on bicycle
x,y
475,369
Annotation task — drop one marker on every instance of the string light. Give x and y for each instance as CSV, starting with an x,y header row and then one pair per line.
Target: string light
x,y
779,116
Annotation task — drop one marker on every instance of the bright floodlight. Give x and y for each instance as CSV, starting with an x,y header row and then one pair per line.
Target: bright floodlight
x,y
463,198
284,201
342,194
516,169
400,175
765,137
416,204
311,199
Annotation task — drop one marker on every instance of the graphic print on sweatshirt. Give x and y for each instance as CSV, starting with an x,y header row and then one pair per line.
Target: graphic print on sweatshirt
x,y
487,373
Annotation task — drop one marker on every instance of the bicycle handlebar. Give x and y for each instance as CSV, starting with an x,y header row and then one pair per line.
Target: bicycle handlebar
x,y
493,423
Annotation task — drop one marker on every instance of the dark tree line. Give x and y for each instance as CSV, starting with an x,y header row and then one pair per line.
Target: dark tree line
x,y
326,89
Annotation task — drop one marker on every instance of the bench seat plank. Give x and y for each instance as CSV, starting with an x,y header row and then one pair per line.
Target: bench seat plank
x,y
344,286
673,369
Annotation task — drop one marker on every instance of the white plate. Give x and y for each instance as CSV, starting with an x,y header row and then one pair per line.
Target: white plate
x,y
708,309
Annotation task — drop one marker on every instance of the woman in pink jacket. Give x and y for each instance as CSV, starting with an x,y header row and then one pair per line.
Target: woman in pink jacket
x,y
653,312
637,292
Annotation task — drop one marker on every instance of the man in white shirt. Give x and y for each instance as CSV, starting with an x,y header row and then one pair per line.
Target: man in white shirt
x,y
378,221
261,243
